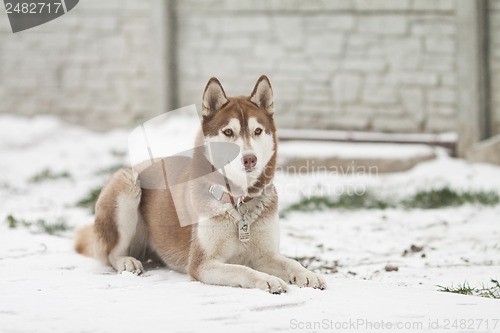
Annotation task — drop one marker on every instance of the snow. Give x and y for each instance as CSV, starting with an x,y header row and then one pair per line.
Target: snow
x,y
47,287
323,149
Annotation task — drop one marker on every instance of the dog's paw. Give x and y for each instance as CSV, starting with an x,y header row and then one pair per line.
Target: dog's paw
x,y
305,278
129,264
272,284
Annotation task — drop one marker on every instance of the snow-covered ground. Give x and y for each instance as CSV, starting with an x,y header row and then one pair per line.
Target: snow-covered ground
x,y
47,287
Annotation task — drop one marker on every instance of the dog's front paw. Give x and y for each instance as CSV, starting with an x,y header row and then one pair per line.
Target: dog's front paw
x,y
272,284
129,264
305,278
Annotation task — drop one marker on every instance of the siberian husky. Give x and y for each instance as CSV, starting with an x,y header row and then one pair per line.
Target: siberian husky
x,y
131,221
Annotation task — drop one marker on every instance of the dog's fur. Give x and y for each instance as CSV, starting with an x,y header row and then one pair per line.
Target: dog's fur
x,y
131,222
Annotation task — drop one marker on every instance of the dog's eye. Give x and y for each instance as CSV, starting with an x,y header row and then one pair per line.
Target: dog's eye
x,y
258,131
228,132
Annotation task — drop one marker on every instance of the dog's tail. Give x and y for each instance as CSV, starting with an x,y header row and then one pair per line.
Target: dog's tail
x,y
84,242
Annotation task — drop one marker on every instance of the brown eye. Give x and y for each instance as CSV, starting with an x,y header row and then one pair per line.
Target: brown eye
x,y
228,132
258,131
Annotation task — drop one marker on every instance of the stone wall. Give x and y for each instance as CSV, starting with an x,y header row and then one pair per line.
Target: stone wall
x,y
354,65
98,65
385,65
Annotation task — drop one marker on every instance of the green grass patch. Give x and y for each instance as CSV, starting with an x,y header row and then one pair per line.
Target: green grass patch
x,y
118,153
90,200
492,291
47,174
428,199
345,201
39,225
446,197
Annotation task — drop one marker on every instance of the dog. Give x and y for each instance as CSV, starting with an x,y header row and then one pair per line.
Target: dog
x,y
132,222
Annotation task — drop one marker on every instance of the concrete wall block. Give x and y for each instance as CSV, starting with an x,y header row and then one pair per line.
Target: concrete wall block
x,y
496,128
417,78
413,101
433,26
337,5
243,24
316,106
4,22
383,24
268,51
440,44
313,87
115,47
494,64
362,40
135,5
359,110
286,92
402,53
324,64
334,23
442,95
346,88
439,124
340,23
235,44
288,30
496,97
72,77
258,66
97,5
443,110
226,6
374,94
293,66
24,81
494,5
349,122
325,44
364,65
389,110
361,44
218,63
494,20
433,5
286,120
320,77
448,79
395,124
495,52
286,79
382,5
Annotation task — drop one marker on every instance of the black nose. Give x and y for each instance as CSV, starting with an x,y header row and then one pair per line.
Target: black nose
x,y
249,161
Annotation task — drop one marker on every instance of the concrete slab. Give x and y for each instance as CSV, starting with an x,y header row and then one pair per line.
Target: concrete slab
x,y
487,151
351,158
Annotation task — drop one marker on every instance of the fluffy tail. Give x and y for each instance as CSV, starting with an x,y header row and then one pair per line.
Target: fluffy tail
x,y
84,242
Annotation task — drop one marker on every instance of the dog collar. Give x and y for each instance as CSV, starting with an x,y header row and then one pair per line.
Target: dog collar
x,y
221,195
238,211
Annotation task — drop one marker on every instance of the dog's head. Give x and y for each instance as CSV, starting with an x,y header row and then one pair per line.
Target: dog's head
x,y
246,121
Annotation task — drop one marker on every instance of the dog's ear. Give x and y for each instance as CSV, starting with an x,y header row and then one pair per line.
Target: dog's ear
x,y
214,97
262,95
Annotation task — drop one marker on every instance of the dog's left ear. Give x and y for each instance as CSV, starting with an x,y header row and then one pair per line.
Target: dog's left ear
x,y
262,95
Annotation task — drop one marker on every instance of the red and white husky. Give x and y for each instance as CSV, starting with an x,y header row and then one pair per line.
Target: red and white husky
x,y
132,222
